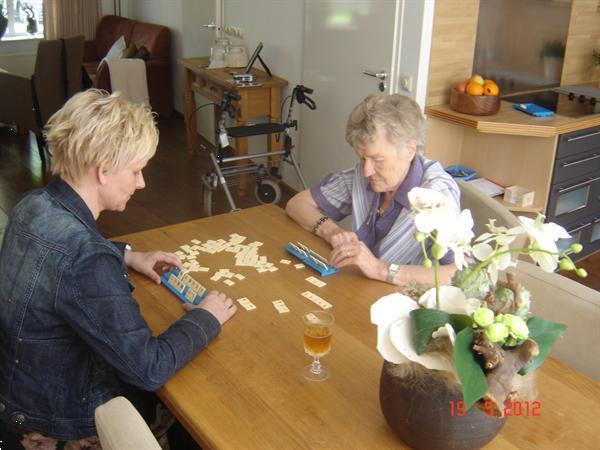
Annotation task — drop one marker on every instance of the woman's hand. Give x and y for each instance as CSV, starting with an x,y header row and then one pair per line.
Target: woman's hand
x,y
144,262
352,252
216,303
342,237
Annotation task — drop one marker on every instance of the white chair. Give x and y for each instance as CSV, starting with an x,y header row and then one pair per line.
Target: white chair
x,y
554,297
563,300
121,427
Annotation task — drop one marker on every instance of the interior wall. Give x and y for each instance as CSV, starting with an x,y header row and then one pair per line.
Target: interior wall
x,y
279,25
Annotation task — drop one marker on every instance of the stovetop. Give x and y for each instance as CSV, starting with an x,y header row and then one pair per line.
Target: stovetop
x,y
570,101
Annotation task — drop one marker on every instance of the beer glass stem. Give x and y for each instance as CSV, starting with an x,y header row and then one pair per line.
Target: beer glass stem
x,y
316,365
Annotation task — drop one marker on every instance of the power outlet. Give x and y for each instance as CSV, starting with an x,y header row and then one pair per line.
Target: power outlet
x,y
406,82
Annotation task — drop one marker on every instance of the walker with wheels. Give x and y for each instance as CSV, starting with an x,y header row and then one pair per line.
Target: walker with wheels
x,y
267,178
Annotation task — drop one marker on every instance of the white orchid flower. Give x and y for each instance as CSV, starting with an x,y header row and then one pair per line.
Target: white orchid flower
x,y
460,241
484,251
543,236
433,211
502,235
452,300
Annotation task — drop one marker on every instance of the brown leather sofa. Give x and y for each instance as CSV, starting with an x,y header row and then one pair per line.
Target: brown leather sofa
x,y
157,41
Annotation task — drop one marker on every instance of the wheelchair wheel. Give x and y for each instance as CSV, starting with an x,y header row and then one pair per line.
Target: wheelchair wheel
x,y
267,192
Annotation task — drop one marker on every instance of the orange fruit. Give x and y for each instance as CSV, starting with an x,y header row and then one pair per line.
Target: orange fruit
x,y
491,89
474,89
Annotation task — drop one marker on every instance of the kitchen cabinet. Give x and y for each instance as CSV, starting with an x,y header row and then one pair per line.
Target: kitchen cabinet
x,y
556,157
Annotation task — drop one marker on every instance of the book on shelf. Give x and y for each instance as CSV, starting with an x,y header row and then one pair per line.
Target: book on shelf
x,y
487,187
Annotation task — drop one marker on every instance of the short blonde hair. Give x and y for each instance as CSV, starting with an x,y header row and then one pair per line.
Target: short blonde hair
x,y
94,128
398,116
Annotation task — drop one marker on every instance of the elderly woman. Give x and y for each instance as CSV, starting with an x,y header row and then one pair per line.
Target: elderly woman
x,y
71,334
387,134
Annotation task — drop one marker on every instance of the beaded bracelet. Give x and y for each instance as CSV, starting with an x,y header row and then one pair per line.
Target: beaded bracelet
x,y
319,223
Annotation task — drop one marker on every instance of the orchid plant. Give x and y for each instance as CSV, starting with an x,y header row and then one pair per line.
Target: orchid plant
x,y
480,318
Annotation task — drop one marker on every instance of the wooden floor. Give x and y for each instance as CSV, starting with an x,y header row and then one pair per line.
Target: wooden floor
x,y
173,193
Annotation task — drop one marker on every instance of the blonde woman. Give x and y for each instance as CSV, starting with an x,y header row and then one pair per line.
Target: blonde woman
x,y
71,334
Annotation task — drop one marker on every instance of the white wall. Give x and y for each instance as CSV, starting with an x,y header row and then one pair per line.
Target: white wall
x,y
279,25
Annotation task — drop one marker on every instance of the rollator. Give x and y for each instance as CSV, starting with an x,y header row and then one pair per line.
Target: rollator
x,y
267,188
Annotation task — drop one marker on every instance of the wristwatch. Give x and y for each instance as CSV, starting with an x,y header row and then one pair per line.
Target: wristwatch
x,y
392,271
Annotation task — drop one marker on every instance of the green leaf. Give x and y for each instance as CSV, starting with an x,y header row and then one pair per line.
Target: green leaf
x,y
470,373
544,333
423,323
460,321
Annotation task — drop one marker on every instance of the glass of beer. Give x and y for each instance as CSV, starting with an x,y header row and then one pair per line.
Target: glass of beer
x,y
317,343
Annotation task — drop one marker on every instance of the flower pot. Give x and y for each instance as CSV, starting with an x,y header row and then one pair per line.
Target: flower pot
x,y
423,409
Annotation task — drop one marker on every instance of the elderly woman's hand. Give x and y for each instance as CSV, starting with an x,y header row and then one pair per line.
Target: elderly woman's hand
x,y
144,262
343,237
356,253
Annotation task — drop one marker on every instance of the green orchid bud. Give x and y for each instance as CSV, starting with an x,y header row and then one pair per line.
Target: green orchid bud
x,y
511,341
499,318
420,237
516,326
497,332
581,272
438,251
427,263
483,317
576,247
566,264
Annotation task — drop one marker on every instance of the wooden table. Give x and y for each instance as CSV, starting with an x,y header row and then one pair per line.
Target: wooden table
x,y
263,100
245,391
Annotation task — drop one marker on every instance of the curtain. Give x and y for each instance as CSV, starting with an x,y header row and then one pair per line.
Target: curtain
x,y
66,18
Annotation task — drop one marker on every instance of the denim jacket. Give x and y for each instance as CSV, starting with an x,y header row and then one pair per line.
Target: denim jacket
x,y
71,334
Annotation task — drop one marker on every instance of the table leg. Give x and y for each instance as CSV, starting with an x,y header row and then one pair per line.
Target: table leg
x,y
190,112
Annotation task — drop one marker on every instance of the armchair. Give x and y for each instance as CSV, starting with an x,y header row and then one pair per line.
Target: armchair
x,y
156,39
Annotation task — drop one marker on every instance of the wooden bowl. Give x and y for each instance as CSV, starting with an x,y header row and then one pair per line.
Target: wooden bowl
x,y
477,105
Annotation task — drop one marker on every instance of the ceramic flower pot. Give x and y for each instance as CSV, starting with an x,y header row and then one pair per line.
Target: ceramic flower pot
x,y
424,410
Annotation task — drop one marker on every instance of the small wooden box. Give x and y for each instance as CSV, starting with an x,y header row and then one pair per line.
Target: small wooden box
x,y
519,196
477,105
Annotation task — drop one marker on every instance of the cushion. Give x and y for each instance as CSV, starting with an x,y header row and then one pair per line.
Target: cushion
x,y
117,49
142,53
130,51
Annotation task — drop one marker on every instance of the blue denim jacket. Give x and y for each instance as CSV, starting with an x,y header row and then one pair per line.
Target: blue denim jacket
x,y
71,334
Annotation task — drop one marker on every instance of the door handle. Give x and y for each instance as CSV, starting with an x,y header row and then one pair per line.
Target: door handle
x,y
594,156
210,25
578,185
585,136
381,75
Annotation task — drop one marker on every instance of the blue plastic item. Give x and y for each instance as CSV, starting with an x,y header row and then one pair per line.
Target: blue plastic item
x,y
533,109
184,286
311,259
461,172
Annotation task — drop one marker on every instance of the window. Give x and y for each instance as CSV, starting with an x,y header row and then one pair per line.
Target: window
x,y
25,19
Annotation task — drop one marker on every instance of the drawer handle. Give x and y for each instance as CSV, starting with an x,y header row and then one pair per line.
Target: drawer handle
x,y
596,133
579,228
590,158
583,183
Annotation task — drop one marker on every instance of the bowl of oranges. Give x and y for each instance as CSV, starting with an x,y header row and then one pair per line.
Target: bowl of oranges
x,y
476,96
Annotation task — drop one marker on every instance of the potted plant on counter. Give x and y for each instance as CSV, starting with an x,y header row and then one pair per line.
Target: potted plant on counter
x,y
456,356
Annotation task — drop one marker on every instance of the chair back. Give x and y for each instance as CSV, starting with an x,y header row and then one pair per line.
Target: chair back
x,y
121,427
483,207
73,61
48,79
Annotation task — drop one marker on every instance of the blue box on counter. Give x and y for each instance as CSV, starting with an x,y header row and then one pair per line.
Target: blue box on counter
x,y
461,172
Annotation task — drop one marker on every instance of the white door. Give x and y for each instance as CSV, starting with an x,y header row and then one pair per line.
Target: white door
x,y
343,38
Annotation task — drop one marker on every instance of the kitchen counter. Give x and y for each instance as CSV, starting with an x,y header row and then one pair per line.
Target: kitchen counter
x,y
510,121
